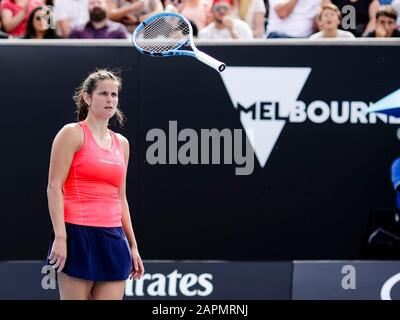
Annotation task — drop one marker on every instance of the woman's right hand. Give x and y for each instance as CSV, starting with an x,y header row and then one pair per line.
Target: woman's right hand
x,y
58,254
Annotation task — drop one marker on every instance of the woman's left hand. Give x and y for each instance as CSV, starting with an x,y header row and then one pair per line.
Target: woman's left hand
x,y
137,265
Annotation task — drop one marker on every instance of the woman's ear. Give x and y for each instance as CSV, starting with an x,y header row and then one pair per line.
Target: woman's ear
x,y
87,98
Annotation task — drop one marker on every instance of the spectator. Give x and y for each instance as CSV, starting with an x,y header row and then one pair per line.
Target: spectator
x,y
132,12
385,24
329,19
224,26
38,26
99,27
252,12
365,14
292,18
15,14
70,14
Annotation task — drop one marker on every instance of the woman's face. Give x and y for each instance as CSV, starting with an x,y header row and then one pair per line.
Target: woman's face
x,y
104,100
40,22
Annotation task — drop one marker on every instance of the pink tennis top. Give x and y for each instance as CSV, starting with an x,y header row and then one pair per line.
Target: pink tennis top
x,y
91,188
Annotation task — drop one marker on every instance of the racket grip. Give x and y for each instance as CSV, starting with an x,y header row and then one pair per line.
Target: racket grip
x,y
213,63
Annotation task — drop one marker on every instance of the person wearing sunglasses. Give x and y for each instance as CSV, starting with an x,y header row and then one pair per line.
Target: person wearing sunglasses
x,y
225,26
39,24
14,15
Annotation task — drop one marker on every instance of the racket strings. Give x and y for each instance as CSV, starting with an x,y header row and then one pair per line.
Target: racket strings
x,y
163,34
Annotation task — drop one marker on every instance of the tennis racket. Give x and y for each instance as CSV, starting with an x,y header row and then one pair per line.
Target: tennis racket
x,y
164,34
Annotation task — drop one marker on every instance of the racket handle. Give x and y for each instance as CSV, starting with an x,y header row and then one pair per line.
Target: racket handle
x,y
213,63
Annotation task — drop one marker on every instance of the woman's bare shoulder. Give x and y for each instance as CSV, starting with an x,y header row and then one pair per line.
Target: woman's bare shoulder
x,y
121,138
123,141
71,130
71,133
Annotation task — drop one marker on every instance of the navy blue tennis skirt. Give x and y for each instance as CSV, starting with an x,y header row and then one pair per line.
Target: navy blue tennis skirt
x,y
96,253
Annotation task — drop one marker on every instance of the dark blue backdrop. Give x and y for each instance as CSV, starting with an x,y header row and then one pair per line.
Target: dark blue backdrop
x,y
310,201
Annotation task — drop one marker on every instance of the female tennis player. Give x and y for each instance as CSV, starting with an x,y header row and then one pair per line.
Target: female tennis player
x,y
94,248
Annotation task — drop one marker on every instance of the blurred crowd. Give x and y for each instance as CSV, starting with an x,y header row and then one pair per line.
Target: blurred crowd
x,y
210,19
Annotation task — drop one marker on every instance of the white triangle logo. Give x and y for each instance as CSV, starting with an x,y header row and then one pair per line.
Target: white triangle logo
x,y
249,85
391,101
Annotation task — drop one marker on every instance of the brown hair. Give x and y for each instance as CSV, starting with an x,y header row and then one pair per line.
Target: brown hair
x,y
89,85
386,11
329,6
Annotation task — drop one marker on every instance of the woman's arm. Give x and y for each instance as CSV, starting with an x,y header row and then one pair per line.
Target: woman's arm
x,y
138,268
259,22
283,10
373,9
63,26
10,22
65,144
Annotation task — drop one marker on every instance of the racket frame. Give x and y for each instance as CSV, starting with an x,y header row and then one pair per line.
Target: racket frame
x,y
196,53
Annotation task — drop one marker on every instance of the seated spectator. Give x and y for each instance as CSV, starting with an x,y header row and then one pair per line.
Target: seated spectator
x,y
15,14
132,12
329,19
385,24
38,26
292,18
224,26
99,27
70,14
252,12
365,14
